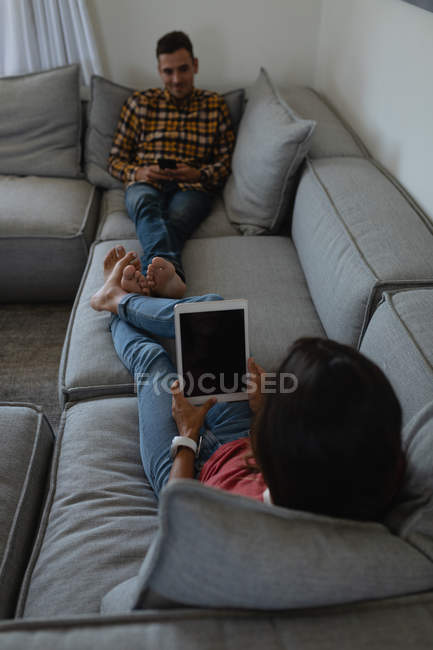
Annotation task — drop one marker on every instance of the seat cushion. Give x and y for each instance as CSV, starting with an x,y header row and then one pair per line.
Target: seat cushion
x,y
267,274
357,235
46,226
27,441
271,144
100,514
116,224
40,119
253,555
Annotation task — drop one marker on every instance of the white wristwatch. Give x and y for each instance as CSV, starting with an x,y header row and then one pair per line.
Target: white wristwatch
x,y
182,441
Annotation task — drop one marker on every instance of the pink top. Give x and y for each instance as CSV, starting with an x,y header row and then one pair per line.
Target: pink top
x,y
227,469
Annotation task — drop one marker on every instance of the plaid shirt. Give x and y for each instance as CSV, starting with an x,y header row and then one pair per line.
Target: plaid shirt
x,y
151,126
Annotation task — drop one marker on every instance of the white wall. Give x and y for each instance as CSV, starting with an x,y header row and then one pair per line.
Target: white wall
x,y
232,38
375,64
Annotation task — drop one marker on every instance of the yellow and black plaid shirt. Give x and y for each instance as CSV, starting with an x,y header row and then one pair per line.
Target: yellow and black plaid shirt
x,y
198,133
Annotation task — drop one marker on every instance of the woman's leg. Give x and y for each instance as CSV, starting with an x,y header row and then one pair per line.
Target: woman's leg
x,y
154,315
153,372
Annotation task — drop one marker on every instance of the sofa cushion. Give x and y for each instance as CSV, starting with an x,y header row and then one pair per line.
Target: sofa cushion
x,y
46,226
107,99
40,117
26,440
332,136
100,515
267,274
356,235
116,224
271,144
412,517
399,339
253,555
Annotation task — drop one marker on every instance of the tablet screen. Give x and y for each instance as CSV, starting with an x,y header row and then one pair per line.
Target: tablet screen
x,y
213,352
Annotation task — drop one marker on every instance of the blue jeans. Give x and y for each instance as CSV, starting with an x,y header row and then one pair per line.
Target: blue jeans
x,y
139,320
165,219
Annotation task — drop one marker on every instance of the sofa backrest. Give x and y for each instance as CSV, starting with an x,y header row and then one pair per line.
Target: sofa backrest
x,y
399,339
357,234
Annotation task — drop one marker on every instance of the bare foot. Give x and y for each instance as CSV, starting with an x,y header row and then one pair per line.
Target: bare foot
x,y
113,256
133,281
163,280
110,294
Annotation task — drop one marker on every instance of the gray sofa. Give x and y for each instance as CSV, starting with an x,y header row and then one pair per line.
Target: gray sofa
x,y
91,560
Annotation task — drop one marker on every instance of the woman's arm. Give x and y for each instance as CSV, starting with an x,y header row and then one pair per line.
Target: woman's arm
x,y
189,420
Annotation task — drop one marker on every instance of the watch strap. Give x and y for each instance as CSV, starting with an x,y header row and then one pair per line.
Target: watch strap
x,y
182,441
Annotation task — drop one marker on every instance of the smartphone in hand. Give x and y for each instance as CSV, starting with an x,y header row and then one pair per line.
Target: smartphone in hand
x,y
167,163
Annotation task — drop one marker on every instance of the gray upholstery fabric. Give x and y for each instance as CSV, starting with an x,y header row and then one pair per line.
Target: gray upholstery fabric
x,y
399,623
356,235
100,514
399,339
40,117
46,226
106,103
271,144
412,518
116,224
267,274
331,137
265,557
43,207
26,440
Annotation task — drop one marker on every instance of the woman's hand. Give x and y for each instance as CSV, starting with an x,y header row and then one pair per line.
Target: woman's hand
x,y
188,418
255,396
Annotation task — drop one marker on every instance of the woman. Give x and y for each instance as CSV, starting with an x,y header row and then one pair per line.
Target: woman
x,y
332,446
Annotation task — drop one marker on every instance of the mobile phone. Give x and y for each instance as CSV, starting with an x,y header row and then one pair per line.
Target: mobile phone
x,y
167,163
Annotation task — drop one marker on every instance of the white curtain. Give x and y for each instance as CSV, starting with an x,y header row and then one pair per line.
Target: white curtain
x,y
40,34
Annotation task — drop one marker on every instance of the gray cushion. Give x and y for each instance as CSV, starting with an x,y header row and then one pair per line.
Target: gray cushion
x,y
40,117
46,226
116,224
26,440
271,144
267,273
100,514
356,235
397,623
412,518
248,554
106,103
399,339
331,137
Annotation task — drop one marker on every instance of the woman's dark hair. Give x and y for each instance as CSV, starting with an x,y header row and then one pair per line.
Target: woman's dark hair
x,y
333,445
172,42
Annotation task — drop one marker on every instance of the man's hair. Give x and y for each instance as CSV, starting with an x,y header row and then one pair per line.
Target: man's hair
x,y
172,42
332,446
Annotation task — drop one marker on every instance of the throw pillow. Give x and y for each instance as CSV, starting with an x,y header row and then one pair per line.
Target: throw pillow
x,y
40,121
271,144
107,99
216,549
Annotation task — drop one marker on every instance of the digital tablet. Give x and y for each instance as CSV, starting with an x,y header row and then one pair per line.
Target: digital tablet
x,y
212,349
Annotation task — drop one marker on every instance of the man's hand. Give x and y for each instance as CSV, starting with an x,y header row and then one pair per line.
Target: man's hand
x,y
185,174
255,396
153,173
188,418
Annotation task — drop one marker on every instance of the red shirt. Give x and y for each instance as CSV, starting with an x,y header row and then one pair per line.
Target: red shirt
x,y
227,469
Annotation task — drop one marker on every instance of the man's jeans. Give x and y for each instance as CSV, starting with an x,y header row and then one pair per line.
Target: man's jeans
x,y
139,318
165,219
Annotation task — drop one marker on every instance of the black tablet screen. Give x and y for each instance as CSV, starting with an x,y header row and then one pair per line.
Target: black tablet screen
x,y
213,352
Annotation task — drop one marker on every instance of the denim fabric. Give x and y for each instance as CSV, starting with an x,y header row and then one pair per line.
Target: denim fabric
x,y
139,318
165,219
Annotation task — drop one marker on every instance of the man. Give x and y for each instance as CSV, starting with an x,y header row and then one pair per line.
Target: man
x,y
191,129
